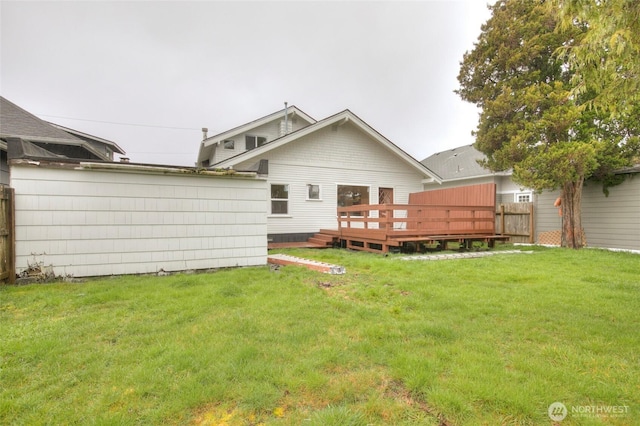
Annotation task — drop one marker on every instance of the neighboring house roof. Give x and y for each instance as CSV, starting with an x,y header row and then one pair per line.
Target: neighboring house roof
x,y
629,170
16,122
57,140
90,138
208,144
459,163
334,120
462,163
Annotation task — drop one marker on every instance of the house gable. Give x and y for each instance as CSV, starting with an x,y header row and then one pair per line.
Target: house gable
x,y
231,143
333,123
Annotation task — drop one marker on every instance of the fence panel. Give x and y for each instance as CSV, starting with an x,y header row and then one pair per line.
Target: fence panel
x,y
516,220
479,196
7,236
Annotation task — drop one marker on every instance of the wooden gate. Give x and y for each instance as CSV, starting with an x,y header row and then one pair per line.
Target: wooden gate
x,y
516,221
7,235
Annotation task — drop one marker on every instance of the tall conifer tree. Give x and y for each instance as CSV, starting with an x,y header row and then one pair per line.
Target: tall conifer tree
x,y
531,120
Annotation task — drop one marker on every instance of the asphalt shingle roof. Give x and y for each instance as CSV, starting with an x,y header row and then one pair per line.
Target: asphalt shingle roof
x,y
16,122
457,163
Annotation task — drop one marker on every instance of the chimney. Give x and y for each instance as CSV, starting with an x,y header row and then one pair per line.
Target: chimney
x,y
204,133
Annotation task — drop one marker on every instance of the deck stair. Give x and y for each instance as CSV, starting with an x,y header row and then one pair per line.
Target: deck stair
x,y
324,238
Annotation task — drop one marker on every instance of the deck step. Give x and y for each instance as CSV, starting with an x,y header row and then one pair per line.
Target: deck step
x,y
325,237
318,241
322,239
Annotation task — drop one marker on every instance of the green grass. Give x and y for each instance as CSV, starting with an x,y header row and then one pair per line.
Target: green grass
x,y
483,341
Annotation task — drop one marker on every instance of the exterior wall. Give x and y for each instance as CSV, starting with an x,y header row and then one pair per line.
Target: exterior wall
x,y
546,217
613,221
508,189
90,223
270,131
329,157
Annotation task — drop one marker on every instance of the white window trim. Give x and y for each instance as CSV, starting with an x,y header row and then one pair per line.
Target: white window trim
x,y
527,193
288,214
319,192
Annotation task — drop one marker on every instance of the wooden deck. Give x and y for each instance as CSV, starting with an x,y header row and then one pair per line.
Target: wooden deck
x,y
380,227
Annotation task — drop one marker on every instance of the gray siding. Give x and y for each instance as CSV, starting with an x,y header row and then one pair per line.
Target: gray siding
x,y
546,215
613,221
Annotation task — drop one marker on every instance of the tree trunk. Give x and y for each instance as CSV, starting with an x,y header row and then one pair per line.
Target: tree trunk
x,y
572,232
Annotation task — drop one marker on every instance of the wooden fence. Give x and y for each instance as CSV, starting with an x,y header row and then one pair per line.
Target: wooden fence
x,y
477,202
516,220
7,235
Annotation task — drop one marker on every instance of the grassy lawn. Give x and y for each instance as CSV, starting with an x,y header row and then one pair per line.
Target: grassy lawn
x,y
485,341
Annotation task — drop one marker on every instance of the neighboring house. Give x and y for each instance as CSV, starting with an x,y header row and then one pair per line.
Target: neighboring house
x,y
460,167
47,140
312,167
609,222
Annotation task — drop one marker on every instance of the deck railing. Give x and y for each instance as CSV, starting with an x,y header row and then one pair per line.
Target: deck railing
x,y
397,219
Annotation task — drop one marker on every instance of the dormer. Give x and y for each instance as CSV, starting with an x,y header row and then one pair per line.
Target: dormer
x,y
251,135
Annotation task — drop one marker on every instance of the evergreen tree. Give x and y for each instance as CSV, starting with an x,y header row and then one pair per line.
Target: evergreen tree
x,y
606,57
531,119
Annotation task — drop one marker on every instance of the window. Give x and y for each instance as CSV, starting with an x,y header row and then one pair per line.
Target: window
x,y
313,192
350,195
229,144
522,197
252,142
279,199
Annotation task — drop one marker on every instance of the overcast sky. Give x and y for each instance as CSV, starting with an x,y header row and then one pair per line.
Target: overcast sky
x,y
164,70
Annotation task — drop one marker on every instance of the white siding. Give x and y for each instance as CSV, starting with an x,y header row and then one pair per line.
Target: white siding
x,y
327,158
89,223
270,131
613,221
